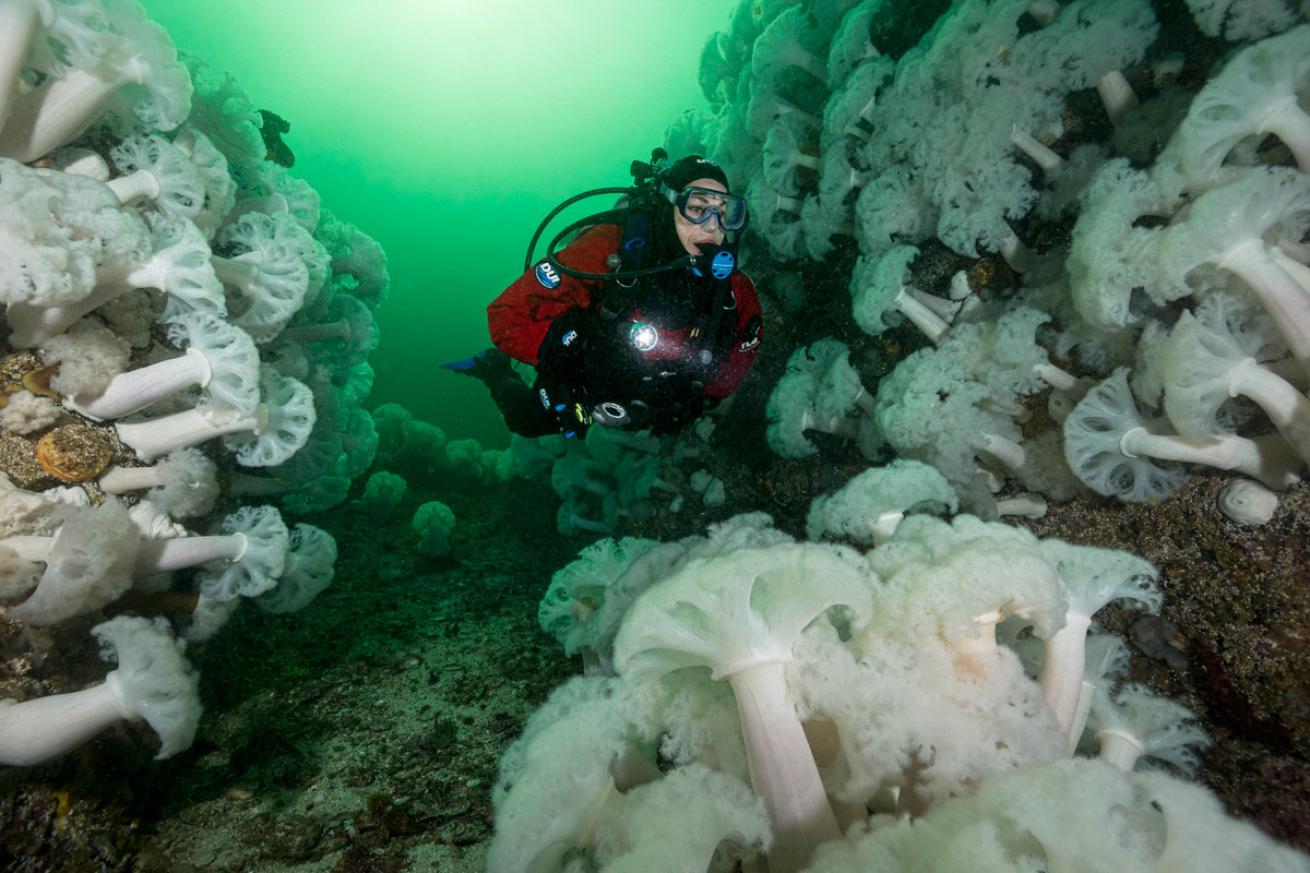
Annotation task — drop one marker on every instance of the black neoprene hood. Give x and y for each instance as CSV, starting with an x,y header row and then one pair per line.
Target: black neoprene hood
x,y
687,170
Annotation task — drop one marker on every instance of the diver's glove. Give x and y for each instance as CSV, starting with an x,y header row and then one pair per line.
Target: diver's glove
x,y
562,355
567,406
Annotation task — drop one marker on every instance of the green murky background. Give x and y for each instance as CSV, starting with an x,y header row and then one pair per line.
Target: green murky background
x,y
446,129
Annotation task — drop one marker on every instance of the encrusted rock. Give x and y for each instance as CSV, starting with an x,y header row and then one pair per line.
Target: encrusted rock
x,y
18,461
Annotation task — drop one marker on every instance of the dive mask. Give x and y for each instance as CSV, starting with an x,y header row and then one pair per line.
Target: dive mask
x,y
697,205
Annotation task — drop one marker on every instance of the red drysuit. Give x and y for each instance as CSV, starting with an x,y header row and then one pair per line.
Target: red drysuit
x,y
521,316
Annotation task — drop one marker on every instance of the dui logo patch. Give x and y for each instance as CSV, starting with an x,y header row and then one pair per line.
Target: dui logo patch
x,y
547,276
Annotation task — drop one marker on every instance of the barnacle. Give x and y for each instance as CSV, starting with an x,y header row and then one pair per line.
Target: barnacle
x,y
74,452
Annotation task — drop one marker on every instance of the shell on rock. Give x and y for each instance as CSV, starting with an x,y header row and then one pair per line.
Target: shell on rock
x,y
74,452
38,381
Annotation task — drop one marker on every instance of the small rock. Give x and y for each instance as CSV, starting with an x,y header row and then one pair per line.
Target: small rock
x,y
1160,639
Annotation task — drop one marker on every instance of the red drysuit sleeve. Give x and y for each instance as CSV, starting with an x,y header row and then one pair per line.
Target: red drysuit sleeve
x,y
742,353
520,317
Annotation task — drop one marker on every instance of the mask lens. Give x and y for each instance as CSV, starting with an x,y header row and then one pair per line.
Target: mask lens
x,y
698,204
734,212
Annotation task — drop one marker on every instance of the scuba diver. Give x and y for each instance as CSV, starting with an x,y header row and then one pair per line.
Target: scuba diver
x,y
643,321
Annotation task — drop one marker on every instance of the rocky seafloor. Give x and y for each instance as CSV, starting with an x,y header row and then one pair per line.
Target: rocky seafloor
x,y
364,733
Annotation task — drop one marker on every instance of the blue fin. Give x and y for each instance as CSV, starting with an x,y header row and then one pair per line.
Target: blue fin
x,y
481,365
463,364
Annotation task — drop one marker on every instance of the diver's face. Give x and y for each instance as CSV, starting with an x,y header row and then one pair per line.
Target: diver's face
x,y
692,235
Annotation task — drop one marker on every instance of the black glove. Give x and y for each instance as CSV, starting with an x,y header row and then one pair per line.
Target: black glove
x,y
569,408
562,355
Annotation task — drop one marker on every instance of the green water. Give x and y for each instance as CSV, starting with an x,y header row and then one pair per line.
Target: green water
x,y
446,129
